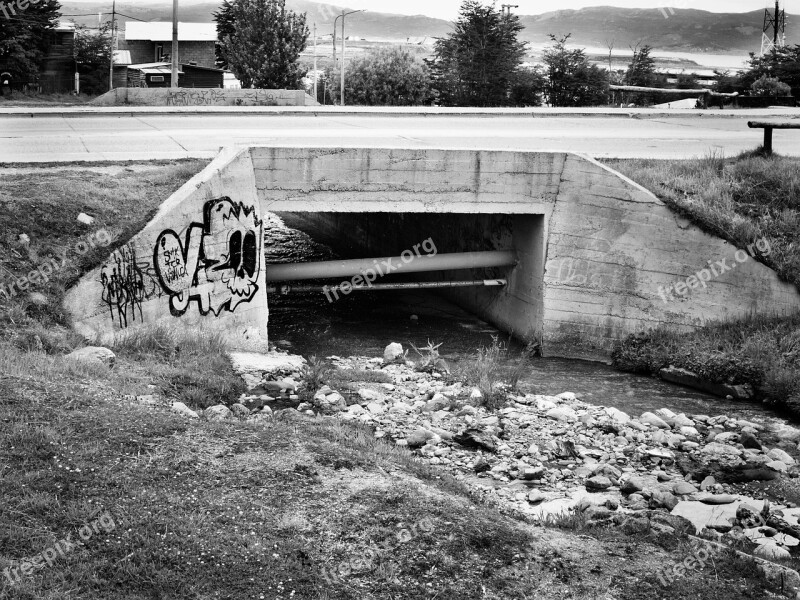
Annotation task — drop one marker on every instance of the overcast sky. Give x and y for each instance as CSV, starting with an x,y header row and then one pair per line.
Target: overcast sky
x,y
448,9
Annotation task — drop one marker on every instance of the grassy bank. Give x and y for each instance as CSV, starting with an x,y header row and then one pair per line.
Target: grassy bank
x,y
153,505
746,200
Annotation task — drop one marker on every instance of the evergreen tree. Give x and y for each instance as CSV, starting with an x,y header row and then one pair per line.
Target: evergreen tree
x,y
92,53
571,79
25,36
479,62
642,69
261,41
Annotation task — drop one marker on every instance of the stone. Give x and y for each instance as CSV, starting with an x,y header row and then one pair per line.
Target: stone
x,y
617,415
721,450
567,397
149,400
38,299
368,395
598,483
679,421
419,438
182,409
219,412
708,482
240,411
683,488
562,413
481,465
475,438
781,455
632,485
665,413
85,219
772,552
543,404
748,440
597,513
536,496
716,499
438,402
663,500
376,408
653,419
476,394
788,434
532,473
394,353
93,355
778,466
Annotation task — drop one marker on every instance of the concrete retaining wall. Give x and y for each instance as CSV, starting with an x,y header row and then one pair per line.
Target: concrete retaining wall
x,y
202,97
600,256
198,262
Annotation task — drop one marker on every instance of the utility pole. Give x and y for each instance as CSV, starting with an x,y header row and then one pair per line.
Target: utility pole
x,y
113,46
315,61
344,46
175,58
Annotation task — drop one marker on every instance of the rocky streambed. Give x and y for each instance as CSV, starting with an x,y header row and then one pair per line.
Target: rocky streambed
x,y
732,481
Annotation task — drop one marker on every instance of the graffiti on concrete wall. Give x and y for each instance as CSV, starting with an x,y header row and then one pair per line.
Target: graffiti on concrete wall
x,y
127,283
218,262
217,97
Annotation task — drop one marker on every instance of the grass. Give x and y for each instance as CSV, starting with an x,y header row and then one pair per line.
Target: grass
x,y
32,99
293,507
749,200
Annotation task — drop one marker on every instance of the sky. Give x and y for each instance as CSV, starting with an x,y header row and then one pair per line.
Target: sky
x,y
448,9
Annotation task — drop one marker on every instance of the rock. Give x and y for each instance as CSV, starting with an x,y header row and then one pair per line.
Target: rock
x,y
305,406
376,408
532,473
665,413
708,482
632,485
781,455
85,219
598,483
475,438
716,449
683,488
617,415
788,434
748,516
543,404
778,466
368,395
535,497
748,440
240,411
219,412
394,353
148,400
93,354
689,379
438,402
716,499
597,513
38,299
689,432
562,413
772,552
653,419
419,438
182,409
475,394
481,465
679,421
663,500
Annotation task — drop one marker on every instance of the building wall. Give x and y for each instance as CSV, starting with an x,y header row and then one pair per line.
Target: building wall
x,y
136,96
143,52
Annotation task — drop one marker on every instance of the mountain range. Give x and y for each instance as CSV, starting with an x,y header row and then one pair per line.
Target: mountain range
x,y
686,30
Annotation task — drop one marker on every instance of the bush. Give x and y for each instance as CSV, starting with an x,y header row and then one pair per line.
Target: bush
x,y
384,77
770,86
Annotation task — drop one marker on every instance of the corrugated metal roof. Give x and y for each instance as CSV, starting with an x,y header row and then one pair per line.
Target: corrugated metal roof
x,y
154,68
122,57
161,31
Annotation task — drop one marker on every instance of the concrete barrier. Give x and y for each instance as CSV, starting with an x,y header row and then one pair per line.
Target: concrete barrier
x,y
203,97
599,257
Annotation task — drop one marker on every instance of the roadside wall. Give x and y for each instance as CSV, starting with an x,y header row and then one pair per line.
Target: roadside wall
x,y
201,97
199,262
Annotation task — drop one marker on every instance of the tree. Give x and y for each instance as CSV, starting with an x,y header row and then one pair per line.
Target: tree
x,y
780,63
527,87
642,68
261,42
770,86
25,36
571,79
385,77
477,64
92,54
225,29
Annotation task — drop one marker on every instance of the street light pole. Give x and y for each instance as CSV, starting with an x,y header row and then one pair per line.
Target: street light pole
x,y
315,61
344,47
174,82
111,54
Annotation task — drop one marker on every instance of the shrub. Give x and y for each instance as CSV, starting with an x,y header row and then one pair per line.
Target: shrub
x,y
770,86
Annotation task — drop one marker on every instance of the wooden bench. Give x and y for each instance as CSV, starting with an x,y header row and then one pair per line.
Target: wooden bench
x,y
768,126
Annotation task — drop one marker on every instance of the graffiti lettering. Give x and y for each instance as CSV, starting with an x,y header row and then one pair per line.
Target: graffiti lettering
x,y
126,284
218,262
216,97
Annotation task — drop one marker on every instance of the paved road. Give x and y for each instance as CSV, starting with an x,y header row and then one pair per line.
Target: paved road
x,y
148,136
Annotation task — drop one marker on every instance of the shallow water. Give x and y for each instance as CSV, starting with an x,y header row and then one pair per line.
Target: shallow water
x,y
364,323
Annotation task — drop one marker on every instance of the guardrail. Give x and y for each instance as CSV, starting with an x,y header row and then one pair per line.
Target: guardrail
x,y
768,126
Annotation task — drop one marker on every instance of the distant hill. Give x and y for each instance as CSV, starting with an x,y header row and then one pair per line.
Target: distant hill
x,y
685,30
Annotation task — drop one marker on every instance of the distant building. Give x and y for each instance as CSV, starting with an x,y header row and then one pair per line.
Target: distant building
x,y
159,74
152,42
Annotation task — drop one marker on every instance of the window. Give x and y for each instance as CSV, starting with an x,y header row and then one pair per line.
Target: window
x,y
159,52
157,79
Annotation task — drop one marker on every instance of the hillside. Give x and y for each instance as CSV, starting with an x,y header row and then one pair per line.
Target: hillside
x,y
684,29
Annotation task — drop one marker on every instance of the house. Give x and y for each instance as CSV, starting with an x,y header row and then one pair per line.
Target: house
x,y
152,42
159,74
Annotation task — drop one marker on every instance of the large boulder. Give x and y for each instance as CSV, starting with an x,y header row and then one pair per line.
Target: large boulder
x,y
93,355
394,353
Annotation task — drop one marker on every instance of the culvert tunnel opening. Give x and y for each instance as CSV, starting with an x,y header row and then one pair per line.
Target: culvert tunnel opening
x,y
353,282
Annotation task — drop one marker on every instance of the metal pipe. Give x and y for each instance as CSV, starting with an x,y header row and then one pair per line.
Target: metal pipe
x,y
385,287
379,267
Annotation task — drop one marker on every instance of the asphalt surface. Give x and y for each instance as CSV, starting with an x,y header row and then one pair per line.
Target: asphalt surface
x,y
53,136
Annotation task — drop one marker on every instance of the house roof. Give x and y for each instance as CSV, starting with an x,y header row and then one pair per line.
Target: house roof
x,y
160,68
122,57
161,31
